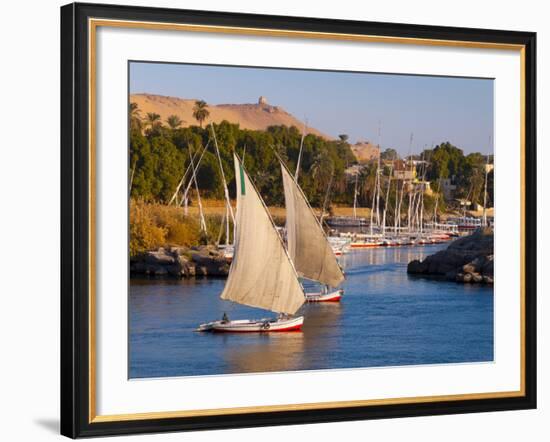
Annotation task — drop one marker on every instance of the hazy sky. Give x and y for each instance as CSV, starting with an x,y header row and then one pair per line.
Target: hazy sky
x,y
434,109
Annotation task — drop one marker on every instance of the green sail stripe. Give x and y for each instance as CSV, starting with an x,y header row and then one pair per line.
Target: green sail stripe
x,y
242,180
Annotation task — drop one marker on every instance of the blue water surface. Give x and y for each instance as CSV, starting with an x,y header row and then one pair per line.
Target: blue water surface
x,y
386,318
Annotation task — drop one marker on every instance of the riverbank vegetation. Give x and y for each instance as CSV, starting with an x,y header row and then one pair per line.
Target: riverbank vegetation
x,y
154,225
160,154
161,151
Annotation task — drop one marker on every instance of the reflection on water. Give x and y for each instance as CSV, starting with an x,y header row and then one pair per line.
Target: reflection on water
x,y
289,351
385,318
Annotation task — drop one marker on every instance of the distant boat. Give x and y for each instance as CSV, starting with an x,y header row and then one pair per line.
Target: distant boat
x,y
262,274
340,246
365,243
347,221
325,295
308,246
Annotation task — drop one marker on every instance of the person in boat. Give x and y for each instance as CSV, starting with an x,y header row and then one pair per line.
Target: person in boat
x,y
225,318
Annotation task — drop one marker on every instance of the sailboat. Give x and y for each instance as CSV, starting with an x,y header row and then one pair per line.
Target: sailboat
x,y
308,246
262,273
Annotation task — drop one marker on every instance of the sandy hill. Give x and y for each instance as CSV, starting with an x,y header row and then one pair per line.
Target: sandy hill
x,y
257,116
365,151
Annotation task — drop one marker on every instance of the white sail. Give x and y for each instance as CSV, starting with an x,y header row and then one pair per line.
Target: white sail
x,y
261,273
308,246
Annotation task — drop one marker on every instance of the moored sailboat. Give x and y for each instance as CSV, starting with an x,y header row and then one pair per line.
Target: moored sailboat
x,y
308,246
262,274
326,295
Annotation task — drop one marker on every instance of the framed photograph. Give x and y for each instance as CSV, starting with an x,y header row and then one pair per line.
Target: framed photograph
x,y
274,220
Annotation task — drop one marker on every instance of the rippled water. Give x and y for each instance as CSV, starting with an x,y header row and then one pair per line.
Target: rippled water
x,y
385,318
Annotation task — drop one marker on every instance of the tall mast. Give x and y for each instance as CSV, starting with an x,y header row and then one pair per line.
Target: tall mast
x,y
421,220
185,198
400,204
178,187
300,152
414,210
131,179
410,190
226,191
221,230
396,214
485,190
327,195
201,213
378,184
437,200
227,225
373,203
422,189
355,198
386,202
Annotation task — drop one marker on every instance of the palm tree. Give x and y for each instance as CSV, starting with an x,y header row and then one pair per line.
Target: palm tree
x,y
200,111
321,171
153,120
135,117
174,121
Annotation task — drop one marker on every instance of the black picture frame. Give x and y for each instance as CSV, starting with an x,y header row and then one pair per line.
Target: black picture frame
x,y
75,220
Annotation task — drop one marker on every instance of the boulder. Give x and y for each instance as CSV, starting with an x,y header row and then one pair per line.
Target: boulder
x,y
159,257
416,267
467,259
178,250
466,277
476,277
158,270
210,264
181,262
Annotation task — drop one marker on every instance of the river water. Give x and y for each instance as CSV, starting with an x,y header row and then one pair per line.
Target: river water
x,y
386,318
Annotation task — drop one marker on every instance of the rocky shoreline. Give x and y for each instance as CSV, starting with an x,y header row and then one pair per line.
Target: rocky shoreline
x,y
468,260
181,262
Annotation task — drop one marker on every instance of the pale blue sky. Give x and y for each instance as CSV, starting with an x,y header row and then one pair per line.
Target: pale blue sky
x,y
434,109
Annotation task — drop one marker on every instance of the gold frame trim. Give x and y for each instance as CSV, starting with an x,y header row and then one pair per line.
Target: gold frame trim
x,y
93,24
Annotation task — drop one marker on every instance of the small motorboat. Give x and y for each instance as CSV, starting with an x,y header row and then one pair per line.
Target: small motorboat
x,y
265,325
327,296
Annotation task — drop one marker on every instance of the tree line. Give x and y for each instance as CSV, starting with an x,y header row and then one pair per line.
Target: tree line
x,y
160,152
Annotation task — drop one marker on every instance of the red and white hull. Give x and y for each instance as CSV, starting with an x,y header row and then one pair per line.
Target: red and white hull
x,y
254,325
325,297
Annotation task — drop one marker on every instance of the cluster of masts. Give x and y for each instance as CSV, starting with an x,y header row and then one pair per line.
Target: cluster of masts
x,y
265,270
180,196
415,190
